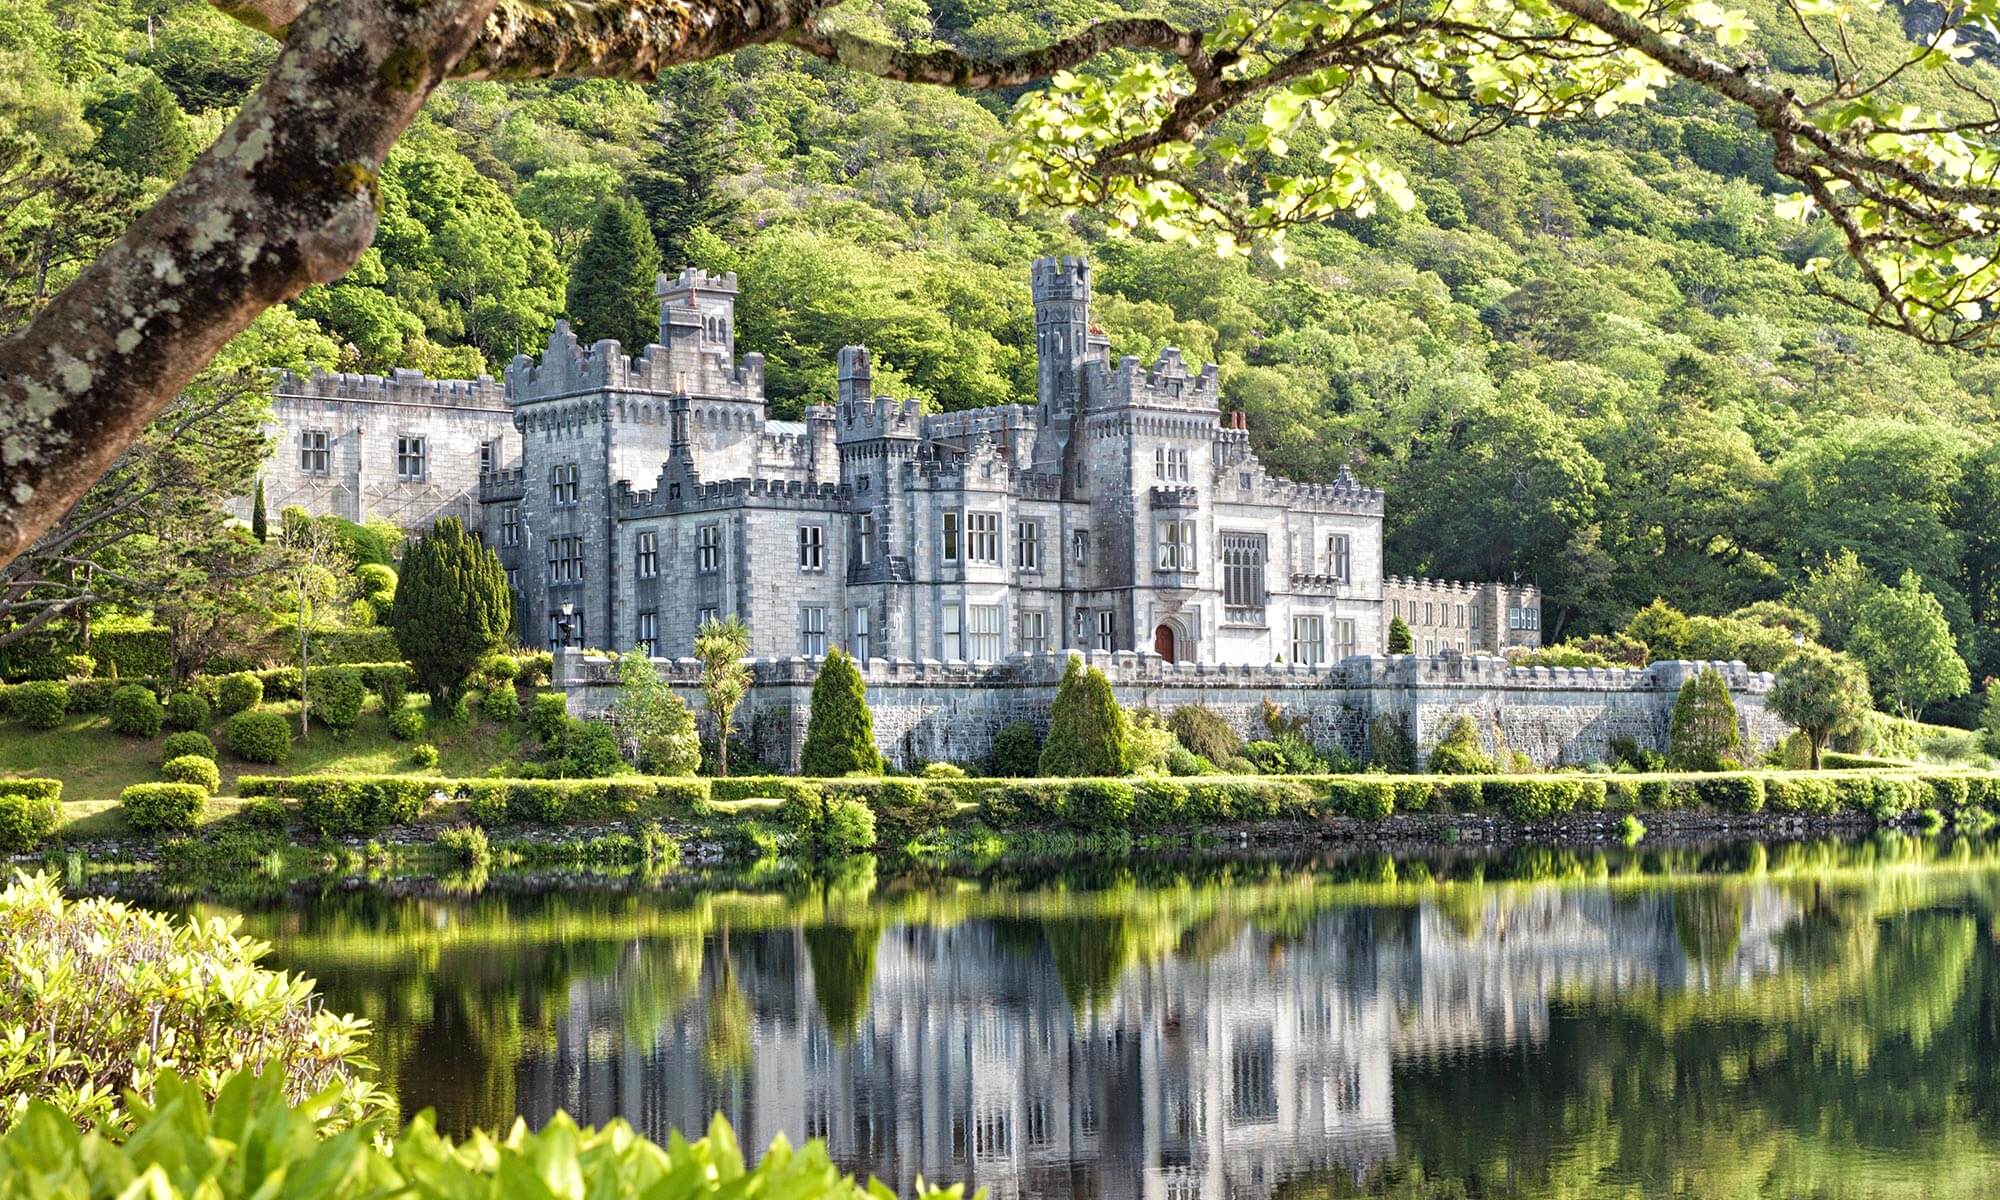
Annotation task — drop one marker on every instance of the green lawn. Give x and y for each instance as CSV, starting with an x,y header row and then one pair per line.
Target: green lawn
x,y
96,764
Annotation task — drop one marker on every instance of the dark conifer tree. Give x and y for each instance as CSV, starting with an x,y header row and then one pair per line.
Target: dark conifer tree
x,y
260,525
452,609
1087,728
611,285
1400,641
680,183
840,734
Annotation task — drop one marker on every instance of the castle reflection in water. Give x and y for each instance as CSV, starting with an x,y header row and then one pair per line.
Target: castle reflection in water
x,y
1200,1072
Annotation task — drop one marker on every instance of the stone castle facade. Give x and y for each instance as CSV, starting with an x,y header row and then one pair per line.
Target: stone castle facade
x,y
632,498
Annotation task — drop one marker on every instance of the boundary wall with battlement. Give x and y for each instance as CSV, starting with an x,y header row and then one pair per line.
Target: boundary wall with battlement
x,y
930,711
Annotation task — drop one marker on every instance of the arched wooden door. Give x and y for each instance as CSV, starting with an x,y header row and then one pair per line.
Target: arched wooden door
x,y
1163,642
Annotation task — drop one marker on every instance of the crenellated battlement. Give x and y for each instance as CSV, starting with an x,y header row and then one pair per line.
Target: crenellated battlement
x,y
566,368
1165,384
402,386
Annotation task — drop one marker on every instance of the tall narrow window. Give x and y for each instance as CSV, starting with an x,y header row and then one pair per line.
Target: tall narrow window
x,y
708,549
510,525
1243,556
1176,546
861,633
812,631
982,538
487,457
954,633
1343,640
646,555
1079,547
864,538
412,459
1107,629
1308,642
1028,545
986,642
1339,557
1034,631
563,484
812,547
648,641
948,540
315,454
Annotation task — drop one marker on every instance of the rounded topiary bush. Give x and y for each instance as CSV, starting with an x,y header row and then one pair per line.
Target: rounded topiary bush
x,y
943,770
180,745
30,810
258,737
164,807
337,696
193,768
188,710
406,724
40,705
238,693
424,755
501,668
136,712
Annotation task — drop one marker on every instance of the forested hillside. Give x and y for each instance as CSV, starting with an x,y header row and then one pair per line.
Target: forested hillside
x,y
1587,356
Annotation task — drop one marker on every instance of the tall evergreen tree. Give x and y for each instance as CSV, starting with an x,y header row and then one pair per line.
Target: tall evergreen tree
x,y
611,285
1087,728
260,524
1400,641
1703,735
452,609
840,735
680,182
144,133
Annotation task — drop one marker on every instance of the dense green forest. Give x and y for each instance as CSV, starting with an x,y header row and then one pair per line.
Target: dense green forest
x,y
1588,356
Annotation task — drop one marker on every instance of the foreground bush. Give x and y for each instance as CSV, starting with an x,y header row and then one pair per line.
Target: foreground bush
x,y
79,1026
337,696
30,810
253,1146
258,737
164,807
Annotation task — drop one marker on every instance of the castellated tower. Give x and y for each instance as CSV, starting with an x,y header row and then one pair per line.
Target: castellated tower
x,y
1062,332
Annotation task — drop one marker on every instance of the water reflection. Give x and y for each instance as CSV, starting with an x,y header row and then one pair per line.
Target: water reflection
x,y
1825,1026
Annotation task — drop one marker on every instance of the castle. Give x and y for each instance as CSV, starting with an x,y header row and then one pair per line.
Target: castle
x,y
631,499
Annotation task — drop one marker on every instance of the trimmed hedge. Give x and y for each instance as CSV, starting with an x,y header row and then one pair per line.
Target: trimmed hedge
x,y
40,705
163,807
30,810
906,808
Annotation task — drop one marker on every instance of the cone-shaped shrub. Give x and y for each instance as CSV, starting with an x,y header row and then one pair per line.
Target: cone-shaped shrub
x,y
840,735
1400,641
451,610
1087,729
1703,736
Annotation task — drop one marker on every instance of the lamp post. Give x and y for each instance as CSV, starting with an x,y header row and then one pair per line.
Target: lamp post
x,y
566,620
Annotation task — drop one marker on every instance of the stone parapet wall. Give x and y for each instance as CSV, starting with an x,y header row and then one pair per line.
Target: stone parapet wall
x,y
926,710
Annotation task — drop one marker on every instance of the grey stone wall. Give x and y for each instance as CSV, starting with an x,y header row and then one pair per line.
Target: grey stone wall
x,y
928,710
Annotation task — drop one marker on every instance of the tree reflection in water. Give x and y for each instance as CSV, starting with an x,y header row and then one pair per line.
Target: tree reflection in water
x,y
1797,1020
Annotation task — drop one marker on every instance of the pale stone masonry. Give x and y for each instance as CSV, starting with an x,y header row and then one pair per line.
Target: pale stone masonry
x,y
938,711
633,497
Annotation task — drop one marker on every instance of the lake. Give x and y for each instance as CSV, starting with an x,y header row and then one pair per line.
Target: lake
x,y
1741,1021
